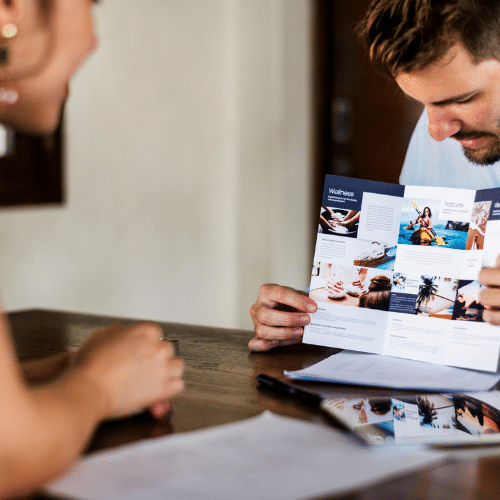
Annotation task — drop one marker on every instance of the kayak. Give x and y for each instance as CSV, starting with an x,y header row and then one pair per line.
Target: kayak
x,y
422,236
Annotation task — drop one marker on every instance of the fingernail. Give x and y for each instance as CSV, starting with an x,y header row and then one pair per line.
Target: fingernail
x,y
304,320
311,308
298,332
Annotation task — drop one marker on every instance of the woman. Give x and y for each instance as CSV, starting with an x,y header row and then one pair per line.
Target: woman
x,y
118,370
378,294
425,218
422,235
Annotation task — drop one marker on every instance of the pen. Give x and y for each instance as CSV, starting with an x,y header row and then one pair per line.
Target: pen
x,y
307,398
275,385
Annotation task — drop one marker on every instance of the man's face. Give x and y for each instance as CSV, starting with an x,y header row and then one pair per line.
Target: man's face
x,y
462,100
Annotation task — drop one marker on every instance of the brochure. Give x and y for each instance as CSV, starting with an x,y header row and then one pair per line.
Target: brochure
x,y
436,419
395,271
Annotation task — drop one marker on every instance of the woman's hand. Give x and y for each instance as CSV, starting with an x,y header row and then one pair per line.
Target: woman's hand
x,y
133,366
45,369
333,285
279,315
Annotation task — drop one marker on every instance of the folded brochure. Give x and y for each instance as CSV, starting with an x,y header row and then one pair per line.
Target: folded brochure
x,y
395,271
435,419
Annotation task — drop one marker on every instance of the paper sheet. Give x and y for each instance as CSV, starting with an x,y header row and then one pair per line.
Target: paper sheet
x,y
377,370
267,457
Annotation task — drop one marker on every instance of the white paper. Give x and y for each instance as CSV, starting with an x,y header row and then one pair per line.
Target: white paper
x,y
388,280
267,457
377,370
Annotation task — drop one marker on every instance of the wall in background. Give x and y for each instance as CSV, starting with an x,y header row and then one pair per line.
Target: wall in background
x,y
187,167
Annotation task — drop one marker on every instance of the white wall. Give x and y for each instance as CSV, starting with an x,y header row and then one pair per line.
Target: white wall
x,y
187,167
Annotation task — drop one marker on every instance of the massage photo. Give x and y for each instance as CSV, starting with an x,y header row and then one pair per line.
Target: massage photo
x,y
338,221
351,286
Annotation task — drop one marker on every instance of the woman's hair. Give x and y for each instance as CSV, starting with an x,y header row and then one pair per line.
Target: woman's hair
x,y
379,284
380,406
427,208
403,36
378,294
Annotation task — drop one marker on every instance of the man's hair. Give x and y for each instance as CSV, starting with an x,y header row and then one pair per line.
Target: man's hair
x,y
403,36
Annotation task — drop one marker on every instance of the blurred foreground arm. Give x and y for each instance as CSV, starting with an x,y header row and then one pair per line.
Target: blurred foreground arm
x,y
117,371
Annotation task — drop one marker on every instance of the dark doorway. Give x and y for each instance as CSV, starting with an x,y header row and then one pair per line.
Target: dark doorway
x,y
31,173
363,121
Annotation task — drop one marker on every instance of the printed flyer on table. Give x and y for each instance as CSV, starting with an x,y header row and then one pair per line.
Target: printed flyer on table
x,y
437,419
395,271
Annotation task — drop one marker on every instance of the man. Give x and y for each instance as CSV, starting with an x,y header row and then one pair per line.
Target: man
x,y
446,55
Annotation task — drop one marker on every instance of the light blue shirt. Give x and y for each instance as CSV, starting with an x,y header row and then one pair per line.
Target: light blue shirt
x,y
432,163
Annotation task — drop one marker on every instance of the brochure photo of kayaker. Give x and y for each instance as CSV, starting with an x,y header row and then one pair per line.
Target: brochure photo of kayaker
x,y
420,225
467,306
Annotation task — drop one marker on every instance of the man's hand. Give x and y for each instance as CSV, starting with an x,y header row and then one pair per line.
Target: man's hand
x,y
490,296
279,315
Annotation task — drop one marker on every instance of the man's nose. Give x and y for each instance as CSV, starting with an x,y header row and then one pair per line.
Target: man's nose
x,y
442,123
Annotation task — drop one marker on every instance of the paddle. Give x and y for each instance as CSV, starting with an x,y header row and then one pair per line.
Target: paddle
x,y
439,240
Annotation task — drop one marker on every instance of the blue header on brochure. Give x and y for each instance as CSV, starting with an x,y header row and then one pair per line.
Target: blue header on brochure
x,y
346,192
492,195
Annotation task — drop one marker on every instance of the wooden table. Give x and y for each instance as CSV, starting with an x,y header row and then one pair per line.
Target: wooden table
x,y
221,388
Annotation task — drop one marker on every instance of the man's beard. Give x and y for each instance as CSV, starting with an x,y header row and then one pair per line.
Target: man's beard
x,y
481,156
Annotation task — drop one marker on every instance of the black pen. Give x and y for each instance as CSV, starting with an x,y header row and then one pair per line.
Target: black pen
x,y
275,385
307,398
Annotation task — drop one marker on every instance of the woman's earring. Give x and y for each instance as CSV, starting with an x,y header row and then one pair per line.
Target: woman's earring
x,y
8,96
8,32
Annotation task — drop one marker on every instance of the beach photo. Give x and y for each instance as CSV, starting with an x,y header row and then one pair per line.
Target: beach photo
x,y
436,297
